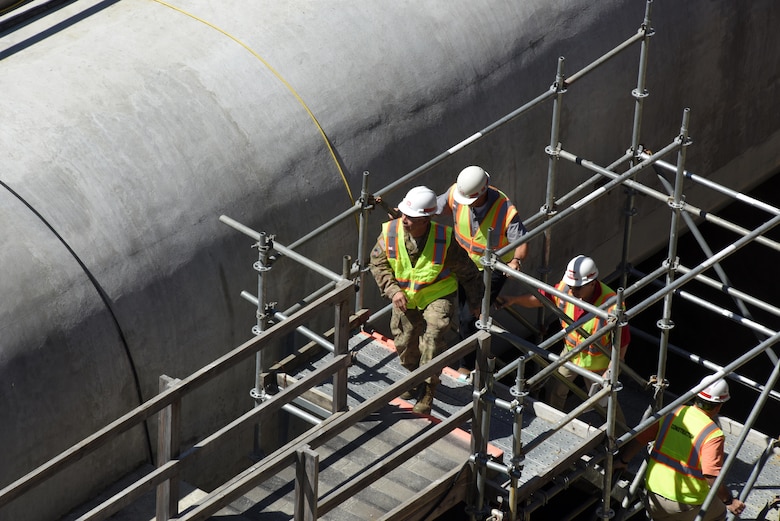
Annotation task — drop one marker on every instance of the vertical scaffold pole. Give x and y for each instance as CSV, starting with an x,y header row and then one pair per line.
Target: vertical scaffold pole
x,y
665,324
264,245
553,151
516,463
362,258
605,512
640,93
483,408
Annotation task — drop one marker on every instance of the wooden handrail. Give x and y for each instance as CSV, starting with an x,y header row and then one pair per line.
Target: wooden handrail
x,y
342,291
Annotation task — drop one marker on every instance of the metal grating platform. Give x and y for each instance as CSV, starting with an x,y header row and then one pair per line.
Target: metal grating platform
x,y
376,366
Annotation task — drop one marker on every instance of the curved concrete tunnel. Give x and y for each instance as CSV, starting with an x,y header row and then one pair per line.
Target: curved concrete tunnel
x,y
130,126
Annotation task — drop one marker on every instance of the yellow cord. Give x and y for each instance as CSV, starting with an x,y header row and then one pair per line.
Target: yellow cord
x,y
284,82
14,6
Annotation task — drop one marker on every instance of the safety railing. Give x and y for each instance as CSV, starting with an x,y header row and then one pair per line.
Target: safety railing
x,y
171,396
556,210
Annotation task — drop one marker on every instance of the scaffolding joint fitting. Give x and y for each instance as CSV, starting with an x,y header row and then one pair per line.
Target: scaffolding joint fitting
x,y
518,392
640,95
265,243
659,386
671,265
480,459
367,202
554,153
484,325
684,141
259,266
548,210
488,259
601,514
559,85
675,205
665,324
515,471
258,395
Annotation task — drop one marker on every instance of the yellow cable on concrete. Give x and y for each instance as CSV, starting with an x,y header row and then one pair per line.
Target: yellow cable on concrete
x,y
281,79
10,8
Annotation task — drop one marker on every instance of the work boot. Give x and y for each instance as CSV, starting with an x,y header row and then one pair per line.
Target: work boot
x,y
411,394
423,405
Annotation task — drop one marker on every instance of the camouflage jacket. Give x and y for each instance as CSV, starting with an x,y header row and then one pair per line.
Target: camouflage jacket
x,y
456,259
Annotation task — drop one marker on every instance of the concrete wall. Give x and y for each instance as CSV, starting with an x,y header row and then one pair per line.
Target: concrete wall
x,y
129,127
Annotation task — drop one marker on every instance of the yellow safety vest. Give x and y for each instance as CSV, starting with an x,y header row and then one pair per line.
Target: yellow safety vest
x,y
590,358
428,279
498,217
674,469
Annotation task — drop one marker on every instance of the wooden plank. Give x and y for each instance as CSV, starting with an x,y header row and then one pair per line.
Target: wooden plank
x,y
154,405
312,349
374,472
320,434
306,484
444,493
168,435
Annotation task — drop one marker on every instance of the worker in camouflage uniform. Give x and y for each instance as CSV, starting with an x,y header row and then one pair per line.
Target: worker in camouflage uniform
x,y
418,265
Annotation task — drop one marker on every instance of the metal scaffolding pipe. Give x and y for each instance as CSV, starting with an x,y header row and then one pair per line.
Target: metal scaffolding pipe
x,y
713,367
757,468
596,194
694,229
471,139
362,257
639,93
606,57
755,411
737,196
769,308
733,366
723,253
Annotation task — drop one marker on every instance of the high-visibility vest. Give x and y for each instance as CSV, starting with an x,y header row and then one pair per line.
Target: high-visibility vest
x,y
498,217
591,357
674,468
428,279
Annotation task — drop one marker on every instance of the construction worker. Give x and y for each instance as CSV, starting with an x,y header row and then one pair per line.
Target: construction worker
x,y
685,459
476,207
418,265
580,281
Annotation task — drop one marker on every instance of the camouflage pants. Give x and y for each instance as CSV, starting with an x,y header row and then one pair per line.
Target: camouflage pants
x,y
420,335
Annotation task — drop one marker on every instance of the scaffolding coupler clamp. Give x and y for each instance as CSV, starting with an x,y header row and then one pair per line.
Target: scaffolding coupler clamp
x,y
658,385
553,152
670,202
484,325
373,200
548,210
671,264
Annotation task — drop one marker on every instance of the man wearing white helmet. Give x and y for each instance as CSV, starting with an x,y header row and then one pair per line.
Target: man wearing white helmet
x,y
476,206
417,264
580,281
685,459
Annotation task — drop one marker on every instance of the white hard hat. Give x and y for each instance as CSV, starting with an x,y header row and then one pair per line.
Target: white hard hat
x,y
472,183
580,271
716,392
420,201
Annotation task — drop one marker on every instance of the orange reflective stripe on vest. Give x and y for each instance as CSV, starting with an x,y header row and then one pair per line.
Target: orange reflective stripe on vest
x,y
591,358
498,217
674,469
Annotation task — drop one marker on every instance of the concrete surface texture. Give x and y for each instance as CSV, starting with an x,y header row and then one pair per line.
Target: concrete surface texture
x,y
129,127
